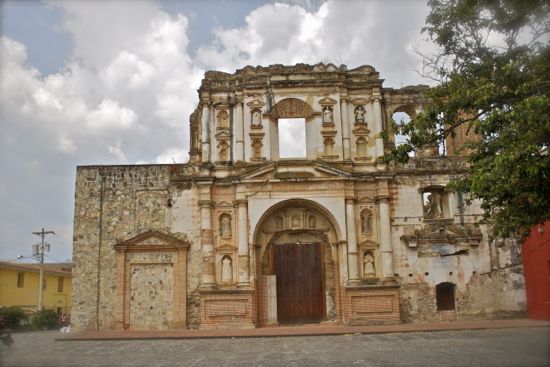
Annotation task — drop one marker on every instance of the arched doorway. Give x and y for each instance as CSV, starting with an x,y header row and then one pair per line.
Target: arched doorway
x,y
297,267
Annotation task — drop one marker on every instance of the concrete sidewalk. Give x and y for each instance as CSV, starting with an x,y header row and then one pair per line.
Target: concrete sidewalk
x,y
303,330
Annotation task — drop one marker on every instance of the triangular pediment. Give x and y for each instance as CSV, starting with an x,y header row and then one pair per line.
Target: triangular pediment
x,y
368,243
327,101
256,103
294,170
152,240
223,134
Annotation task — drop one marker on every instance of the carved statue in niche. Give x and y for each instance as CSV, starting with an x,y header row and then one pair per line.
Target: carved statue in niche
x,y
223,119
327,115
279,222
368,265
225,225
312,221
366,221
256,117
295,222
360,114
432,207
227,270
223,151
257,149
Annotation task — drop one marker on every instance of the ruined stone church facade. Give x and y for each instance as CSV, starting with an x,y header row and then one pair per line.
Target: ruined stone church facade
x,y
239,237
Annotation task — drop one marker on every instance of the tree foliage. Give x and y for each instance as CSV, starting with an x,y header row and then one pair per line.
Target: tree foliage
x,y
492,70
44,319
12,316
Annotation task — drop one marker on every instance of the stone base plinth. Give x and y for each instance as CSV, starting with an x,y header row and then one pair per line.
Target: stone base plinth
x,y
227,309
370,305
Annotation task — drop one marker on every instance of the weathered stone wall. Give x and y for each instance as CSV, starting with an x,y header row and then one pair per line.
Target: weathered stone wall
x,y
115,203
86,241
487,277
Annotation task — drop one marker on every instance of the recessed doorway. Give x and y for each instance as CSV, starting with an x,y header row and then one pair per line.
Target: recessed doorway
x,y
299,272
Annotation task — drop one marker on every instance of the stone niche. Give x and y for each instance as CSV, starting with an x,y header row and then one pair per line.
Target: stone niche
x,y
151,282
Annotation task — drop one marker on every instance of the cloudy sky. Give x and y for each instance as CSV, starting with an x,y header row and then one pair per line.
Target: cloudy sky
x,y
102,82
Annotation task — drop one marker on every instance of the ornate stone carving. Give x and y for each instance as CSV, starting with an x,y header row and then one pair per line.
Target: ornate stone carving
x,y
223,119
360,112
223,151
227,269
442,231
225,225
257,148
291,108
366,221
328,118
368,265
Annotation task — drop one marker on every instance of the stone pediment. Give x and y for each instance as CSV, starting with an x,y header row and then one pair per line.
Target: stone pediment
x,y
223,134
368,243
295,171
442,232
226,248
150,241
327,101
256,103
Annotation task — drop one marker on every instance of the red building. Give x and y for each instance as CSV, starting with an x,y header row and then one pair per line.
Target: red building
x,y
536,261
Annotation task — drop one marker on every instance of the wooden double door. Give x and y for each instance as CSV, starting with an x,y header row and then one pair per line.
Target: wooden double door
x,y
300,292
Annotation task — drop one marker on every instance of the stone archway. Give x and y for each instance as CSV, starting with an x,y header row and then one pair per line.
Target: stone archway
x,y
299,237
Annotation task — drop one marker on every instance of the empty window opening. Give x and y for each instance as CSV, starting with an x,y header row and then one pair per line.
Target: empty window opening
x,y
292,138
402,118
434,202
60,282
445,296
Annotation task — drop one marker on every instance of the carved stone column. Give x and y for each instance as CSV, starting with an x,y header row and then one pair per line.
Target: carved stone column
x,y
385,239
207,242
205,131
242,235
353,271
378,127
345,127
239,129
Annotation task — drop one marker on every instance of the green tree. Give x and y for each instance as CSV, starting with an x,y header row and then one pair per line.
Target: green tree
x,y
44,319
492,68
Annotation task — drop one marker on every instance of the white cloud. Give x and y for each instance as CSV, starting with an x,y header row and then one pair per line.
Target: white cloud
x,y
171,155
129,85
350,32
109,115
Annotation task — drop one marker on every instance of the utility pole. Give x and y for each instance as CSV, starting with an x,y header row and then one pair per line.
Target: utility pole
x,y
40,253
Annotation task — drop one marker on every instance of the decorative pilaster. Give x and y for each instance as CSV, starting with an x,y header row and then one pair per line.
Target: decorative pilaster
x,y
378,126
207,242
238,126
205,131
353,271
345,127
242,235
385,239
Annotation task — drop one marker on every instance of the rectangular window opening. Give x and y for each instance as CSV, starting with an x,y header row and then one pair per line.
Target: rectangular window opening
x,y
292,138
20,280
60,284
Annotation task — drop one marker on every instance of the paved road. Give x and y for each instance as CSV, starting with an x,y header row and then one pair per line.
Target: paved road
x,y
518,347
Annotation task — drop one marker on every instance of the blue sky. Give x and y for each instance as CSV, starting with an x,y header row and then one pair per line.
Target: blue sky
x,y
113,82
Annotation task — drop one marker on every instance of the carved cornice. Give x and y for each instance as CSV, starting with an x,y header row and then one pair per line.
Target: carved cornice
x,y
444,232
